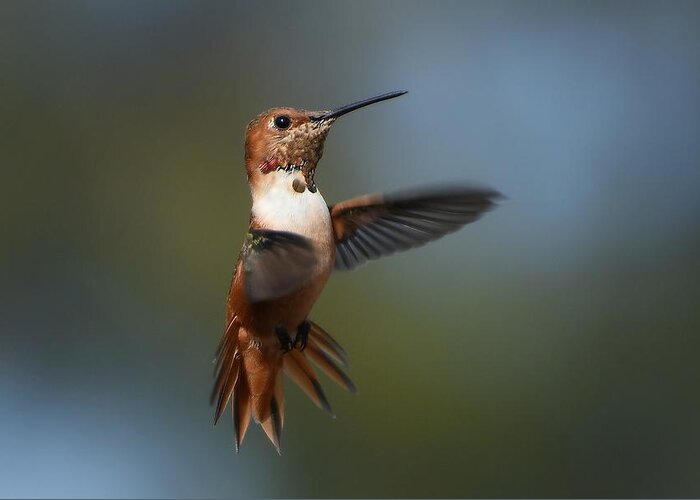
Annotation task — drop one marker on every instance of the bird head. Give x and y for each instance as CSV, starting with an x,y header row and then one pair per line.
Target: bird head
x,y
289,141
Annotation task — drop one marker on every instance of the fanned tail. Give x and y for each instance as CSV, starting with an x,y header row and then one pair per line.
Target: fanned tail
x,y
231,383
227,371
254,385
242,411
329,356
274,413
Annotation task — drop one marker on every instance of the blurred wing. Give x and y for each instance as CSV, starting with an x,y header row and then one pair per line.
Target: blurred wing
x,y
376,225
275,263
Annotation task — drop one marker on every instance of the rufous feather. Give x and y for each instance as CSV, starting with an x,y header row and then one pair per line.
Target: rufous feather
x,y
301,372
328,344
330,367
272,425
242,410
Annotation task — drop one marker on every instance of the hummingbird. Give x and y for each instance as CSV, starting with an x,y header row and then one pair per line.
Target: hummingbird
x,y
294,242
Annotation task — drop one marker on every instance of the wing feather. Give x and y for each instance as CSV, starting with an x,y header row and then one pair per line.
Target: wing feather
x,y
275,263
373,226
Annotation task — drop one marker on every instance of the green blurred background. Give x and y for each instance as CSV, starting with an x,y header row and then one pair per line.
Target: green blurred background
x,y
551,349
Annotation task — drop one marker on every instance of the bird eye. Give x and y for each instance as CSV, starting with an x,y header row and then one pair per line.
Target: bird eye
x,y
282,121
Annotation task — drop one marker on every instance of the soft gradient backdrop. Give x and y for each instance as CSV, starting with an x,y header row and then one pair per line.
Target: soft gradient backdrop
x,y
551,349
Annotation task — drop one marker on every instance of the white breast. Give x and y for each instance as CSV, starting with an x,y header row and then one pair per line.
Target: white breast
x,y
281,208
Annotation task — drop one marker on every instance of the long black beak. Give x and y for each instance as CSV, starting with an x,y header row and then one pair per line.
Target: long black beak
x,y
357,105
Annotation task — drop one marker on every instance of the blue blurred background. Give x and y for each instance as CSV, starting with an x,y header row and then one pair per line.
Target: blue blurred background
x,y
551,349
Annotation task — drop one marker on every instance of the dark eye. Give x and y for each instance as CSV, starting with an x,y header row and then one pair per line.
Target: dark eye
x,y
282,121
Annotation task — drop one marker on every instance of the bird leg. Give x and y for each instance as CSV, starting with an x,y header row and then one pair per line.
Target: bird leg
x,y
285,340
302,336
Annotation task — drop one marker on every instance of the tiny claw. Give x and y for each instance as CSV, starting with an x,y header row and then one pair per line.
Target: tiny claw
x,y
285,340
302,336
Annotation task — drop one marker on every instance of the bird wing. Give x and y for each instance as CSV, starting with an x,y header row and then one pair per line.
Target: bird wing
x,y
372,226
275,263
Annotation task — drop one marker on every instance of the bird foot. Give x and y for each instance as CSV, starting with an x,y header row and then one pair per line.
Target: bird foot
x,y
284,338
302,336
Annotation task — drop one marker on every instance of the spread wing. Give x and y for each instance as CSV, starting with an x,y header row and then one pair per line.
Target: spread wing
x,y
372,226
275,263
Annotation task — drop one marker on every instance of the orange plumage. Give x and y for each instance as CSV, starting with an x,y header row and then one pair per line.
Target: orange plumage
x,y
294,242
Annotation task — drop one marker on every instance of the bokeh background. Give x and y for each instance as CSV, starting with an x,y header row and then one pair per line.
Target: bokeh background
x,y
551,349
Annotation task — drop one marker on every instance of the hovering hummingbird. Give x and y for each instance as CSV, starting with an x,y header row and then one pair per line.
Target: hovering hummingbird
x,y
294,242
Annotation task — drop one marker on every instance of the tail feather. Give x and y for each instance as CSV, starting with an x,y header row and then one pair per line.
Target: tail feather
x,y
301,372
227,369
262,381
275,421
260,393
330,367
242,411
222,357
326,343
229,380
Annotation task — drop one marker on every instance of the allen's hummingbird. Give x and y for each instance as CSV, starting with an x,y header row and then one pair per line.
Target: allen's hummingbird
x,y
294,242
